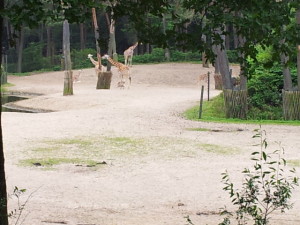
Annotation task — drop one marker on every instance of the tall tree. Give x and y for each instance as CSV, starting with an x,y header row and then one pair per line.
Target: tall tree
x,y
20,47
298,46
3,191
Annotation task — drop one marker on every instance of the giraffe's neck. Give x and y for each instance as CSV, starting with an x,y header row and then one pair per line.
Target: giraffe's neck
x,y
93,61
113,62
120,66
134,46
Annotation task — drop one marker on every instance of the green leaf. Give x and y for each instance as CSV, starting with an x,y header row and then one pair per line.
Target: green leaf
x,y
264,155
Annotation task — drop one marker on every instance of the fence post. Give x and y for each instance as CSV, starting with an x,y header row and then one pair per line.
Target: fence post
x,y
201,102
208,85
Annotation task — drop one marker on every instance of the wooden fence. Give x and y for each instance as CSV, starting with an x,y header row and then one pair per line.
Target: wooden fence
x,y
291,105
235,103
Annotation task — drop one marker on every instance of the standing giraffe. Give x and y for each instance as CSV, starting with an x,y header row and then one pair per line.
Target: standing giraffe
x,y
122,69
128,54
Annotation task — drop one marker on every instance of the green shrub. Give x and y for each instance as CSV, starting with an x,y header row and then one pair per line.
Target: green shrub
x,y
33,58
177,56
80,60
264,56
267,187
232,56
265,87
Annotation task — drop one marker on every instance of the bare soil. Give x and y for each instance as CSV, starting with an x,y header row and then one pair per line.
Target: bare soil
x,y
158,169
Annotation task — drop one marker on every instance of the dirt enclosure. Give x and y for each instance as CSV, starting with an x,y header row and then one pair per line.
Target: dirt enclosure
x,y
128,157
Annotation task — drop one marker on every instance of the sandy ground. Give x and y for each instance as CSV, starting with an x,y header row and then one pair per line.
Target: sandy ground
x,y
157,169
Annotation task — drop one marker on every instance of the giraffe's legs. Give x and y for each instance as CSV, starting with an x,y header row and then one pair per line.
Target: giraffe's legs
x,y
126,59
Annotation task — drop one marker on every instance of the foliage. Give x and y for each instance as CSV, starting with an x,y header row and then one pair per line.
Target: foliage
x,y
33,58
16,214
264,87
178,56
232,56
213,111
157,55
80,59
264,90
266,188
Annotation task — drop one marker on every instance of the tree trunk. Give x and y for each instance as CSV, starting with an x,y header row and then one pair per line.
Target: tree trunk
x,y
20,47
3,191
68,79
112,40
287,78
82,36
243,77
97,37
298,49
235,38
227,38
41,33
48,52
50,44
167,50
147,48
223,64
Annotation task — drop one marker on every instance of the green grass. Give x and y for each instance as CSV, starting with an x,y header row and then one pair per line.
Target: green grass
x,y
218,149
213,111
5,86
50,162
91,150
198,129
295,163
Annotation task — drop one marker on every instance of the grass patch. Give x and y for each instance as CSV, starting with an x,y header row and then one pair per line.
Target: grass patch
x,y
213,111
91,150
198,129
50,162
218,149
5,86
295,163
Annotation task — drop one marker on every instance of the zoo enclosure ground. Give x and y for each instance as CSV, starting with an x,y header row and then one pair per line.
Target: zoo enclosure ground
x,y
157,170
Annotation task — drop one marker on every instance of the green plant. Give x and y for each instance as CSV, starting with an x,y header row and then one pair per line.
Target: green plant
x,y
266,187
232,56
80,59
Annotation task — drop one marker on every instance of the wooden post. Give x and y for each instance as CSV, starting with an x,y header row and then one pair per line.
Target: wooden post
x,y
68,78
201,102
208,85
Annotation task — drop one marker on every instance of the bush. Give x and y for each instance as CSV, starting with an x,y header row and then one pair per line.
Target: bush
x,y
266,187
33,58
232,56
80,59
156,56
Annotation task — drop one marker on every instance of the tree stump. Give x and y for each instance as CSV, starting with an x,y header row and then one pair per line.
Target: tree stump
x,y
104,80
218,82
235,103
291,105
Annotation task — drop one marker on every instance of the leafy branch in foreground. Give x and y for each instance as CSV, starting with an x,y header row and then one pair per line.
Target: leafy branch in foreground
x,y
266,188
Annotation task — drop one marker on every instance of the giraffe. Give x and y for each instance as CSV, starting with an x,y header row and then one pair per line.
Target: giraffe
x,y
128,54
76,76
122,69
96,64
